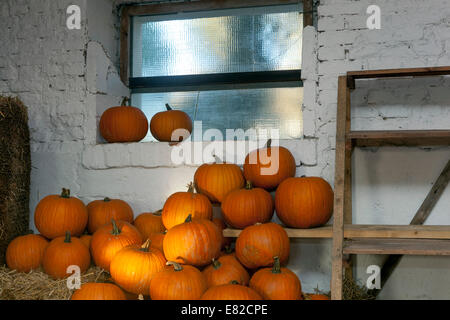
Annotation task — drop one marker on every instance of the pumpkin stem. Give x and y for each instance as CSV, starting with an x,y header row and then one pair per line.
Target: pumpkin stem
x,y
276,265
191,188
234,282
68,239
125,101
158,213
189,218
229,249
176,266
107,199
146,246
169,108
65,193
249,185
218,160
216,264
115,231
269,143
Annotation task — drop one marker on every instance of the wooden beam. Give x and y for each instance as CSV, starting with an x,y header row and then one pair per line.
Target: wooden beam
x,y
124,44
403,72
202,5
398,246
308,15
419,218
340,180
358,231
353,231
399,138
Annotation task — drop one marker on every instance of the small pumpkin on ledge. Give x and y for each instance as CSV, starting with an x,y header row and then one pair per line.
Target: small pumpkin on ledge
x,y
164,124
123,124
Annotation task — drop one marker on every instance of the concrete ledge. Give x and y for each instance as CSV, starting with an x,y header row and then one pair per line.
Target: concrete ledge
x,y
159,154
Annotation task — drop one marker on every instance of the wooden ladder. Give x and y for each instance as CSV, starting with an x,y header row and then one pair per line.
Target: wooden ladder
x,y
413,239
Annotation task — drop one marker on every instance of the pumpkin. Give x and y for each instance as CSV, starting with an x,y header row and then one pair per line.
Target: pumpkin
x,y
157,240
257,245
217,180
63,252
99,291
224,270
195,242
25,253
276,283
102,211
54,215
110,239
178,282
149,223
304,202
86,239
226,241
268,167
245,207
133,267
163,125
311,296
123,124
179,205
232,291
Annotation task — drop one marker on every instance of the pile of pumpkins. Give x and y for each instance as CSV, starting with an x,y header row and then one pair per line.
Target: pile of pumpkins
x,y
179,253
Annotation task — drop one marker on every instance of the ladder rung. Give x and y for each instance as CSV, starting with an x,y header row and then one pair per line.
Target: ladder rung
x,y
399,138
352,231
404,72
398,246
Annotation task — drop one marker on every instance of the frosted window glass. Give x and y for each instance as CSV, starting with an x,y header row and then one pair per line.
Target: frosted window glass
x,y
244,43
266,108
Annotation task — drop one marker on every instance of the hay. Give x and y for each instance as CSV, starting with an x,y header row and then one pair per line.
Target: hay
x,y
36,285
15,167
355,291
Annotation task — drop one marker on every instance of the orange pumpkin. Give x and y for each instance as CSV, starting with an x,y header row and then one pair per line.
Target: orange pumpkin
x,y
123,124
157,240
268,167
54,215
179,205
232,291
110,239
98,291
195,242
224,270
149,223
245,207
311,296
86,239
276,283
257,245
63,252
133,267
178,283
102,211
25,253
163,125
226,241
218,179
304,202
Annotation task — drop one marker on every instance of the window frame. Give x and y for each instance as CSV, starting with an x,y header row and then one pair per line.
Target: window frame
x,y
285,78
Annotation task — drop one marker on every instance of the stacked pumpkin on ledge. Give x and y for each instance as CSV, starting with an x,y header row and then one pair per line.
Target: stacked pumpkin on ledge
x,y
180,252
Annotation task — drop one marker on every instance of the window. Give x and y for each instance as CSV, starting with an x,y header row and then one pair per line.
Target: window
x,y
229,69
